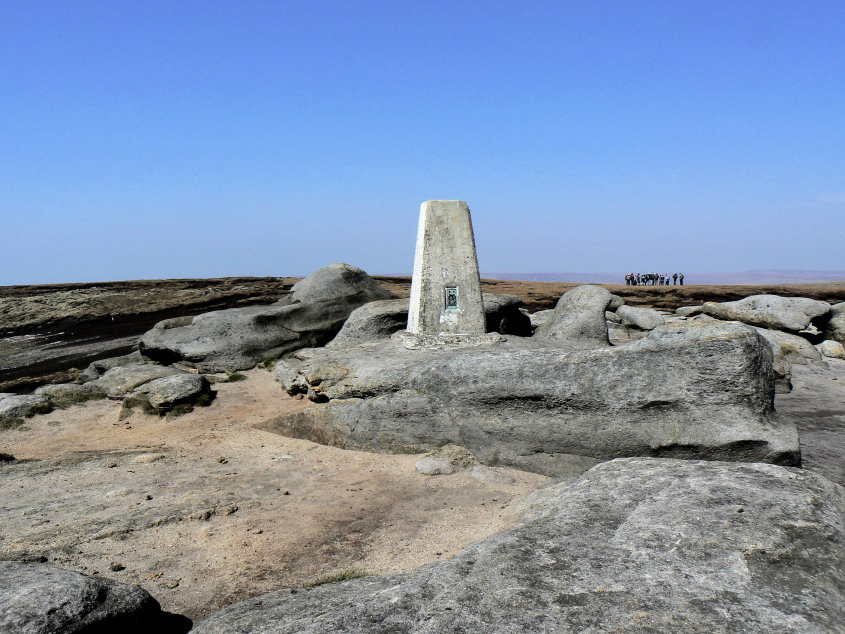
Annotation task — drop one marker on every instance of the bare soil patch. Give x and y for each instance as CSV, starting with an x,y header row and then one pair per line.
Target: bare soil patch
x,y
205,509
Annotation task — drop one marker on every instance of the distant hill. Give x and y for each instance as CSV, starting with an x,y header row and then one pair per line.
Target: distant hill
x,y
784,276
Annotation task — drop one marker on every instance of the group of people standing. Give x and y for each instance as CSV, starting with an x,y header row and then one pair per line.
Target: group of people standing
x,y
654,279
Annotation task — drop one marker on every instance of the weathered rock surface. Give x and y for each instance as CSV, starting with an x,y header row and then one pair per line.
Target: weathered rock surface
x,y
689,390
19,405
503,315
781,367
121,380
688,311
615,303
836,325
815,405
446,460
179,389
379,320
97,369
795,349
375,320
771,311
619,335
42,599
541,317
64,391
578,320
642,318
633,545
832,349
434,465
611,316
239,338
335,281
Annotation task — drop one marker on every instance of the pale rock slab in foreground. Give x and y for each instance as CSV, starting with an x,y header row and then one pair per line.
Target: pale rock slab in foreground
x,y
634,545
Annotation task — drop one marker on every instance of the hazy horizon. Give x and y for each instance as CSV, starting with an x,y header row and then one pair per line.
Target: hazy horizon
x,y
208,139
754,277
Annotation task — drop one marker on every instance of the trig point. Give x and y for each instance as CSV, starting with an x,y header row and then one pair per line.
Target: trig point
x,y
446,288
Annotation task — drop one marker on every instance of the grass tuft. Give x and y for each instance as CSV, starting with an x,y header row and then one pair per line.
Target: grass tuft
x,y
67,400
334,577
179,410
270,364
236,376
11,422
40,408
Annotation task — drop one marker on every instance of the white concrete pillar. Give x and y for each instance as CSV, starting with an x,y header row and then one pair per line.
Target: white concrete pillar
x,y
446,287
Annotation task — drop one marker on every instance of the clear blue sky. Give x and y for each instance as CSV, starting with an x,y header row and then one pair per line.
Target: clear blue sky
x,y
199,139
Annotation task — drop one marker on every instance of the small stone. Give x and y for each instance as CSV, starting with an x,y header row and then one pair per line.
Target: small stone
x,y
172,584
6,457
286,493
222,459
116,566
148,497
112,465
831,349
201,515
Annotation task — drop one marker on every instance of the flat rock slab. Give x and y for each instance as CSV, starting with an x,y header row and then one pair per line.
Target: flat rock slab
x,y
70,391
770,311
121,380
42,599
96,369
169,391
817,408
700,390
635,544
